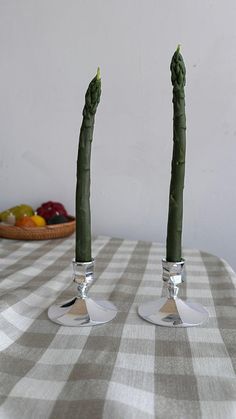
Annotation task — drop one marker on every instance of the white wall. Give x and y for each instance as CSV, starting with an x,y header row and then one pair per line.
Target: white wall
x,y
50,50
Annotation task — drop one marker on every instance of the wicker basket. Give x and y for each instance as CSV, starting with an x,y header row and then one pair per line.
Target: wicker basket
x,y
53,231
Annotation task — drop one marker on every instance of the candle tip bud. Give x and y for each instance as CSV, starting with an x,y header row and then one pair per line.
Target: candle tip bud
x,y
98,74
178,48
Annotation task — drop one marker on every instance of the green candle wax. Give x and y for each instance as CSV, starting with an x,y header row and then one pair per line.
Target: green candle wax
x,y
83,216
175,216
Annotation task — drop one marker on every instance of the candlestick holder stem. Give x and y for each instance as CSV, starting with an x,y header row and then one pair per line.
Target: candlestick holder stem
x,y
172,311
82,310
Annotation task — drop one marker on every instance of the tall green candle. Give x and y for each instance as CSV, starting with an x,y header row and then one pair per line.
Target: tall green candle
x,y
83,216
175,216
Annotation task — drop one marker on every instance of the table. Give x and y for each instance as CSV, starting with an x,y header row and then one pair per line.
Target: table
x,y
125,369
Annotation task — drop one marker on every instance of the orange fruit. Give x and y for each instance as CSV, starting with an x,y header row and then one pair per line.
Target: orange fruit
x,y
38,220
25,222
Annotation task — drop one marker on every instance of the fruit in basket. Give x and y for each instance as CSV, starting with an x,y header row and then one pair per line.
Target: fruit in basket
x,y
18,211
48,209
10,219
25,221
58,219
38,220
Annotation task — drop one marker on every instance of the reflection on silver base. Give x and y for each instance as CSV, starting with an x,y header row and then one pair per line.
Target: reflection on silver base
x,y
82,312
173,312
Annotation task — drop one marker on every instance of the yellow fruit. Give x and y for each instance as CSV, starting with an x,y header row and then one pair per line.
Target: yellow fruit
x,y
19,211
38,220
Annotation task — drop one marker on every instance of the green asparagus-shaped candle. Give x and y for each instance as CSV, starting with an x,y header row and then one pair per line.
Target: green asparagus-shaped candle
x,y
175,217
83,217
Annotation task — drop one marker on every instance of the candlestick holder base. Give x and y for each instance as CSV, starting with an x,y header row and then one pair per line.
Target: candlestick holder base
x,y
82,310
172,311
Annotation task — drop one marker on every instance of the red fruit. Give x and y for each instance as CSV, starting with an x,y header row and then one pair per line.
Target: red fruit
x,y
50,208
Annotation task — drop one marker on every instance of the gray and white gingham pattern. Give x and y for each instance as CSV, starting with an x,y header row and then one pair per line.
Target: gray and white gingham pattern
x,y
126,369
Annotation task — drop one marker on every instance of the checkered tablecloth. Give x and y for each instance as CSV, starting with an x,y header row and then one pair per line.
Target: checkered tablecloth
x,y
126,369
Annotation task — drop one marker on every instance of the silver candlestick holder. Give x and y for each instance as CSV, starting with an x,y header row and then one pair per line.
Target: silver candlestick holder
x,y
172,311
82,310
